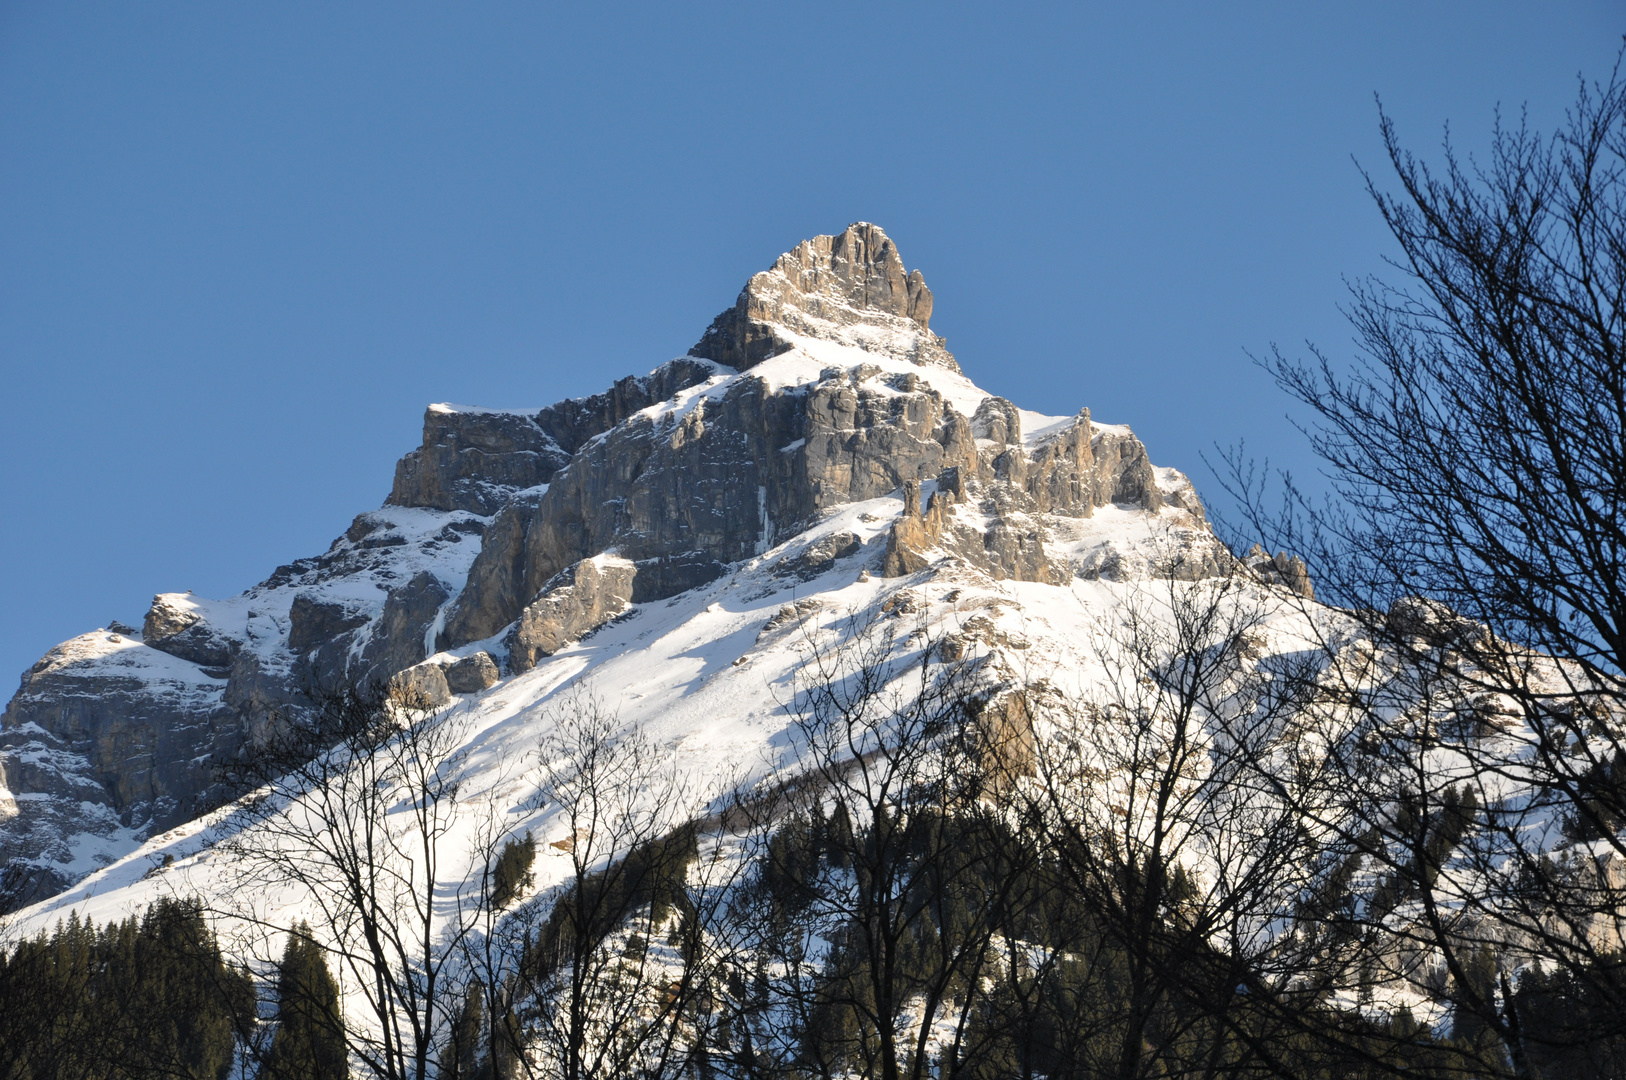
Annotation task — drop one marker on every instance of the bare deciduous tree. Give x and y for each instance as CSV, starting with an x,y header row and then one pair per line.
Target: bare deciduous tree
x,y
616,963
886,881
352,809
1478,537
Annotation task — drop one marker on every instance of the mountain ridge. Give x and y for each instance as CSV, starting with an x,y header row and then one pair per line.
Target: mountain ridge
x,y
509,535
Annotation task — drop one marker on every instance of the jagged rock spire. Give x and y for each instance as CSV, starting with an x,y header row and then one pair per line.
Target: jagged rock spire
x,y
850,288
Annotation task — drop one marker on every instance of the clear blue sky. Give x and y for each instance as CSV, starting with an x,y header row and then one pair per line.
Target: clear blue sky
x,y
242,246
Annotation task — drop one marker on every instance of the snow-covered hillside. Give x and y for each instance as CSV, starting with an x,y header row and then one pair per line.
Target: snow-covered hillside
x,y
846,443
676,550
710,674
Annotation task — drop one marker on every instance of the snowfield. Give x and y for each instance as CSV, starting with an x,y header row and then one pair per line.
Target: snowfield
x,y
699,674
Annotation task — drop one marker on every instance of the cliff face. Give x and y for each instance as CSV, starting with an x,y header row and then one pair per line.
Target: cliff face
x,y
850,288
119,733
474,459
510,534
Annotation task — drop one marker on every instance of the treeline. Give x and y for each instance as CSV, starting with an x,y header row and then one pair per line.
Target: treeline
x,y
954,947
147,997
916,911
154,997
1029,978
1020,975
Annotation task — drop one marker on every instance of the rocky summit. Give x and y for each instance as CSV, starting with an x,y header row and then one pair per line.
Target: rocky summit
x,y
819,453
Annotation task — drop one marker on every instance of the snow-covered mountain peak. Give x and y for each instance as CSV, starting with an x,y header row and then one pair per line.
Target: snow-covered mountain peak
x,y
850,288
825,447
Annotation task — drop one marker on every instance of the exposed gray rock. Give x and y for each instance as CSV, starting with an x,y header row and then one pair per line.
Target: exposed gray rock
x,y
1122,472
716,484
1069,473
668,575
998,421
203,645
398,637
850,288
328,666
65,809
1062,474
176,627
1013,547
39,835
108,739
169,614
863,443
496,590
421,686
819,556
574,603
477,459
147,726
650,489
474,459
373,547
472,673
575,420
64,802
259,689
689,490
1280,569
312,621
1178,491
1200,556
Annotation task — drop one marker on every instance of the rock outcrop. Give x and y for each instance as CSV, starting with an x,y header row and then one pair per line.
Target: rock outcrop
x,y
1280,569
312,621
1011,490
574,421
477,459
851,288
176,626
721,481
574,603
104,733
421,686
473,673
401,634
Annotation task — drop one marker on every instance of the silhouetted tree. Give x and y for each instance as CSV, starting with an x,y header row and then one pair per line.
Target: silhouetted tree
x,y
354,807
1475,702
143,998
309,1043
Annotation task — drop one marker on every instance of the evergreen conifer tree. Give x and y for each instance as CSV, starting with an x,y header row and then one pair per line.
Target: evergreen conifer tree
x,y
512,875
461,1058
184,1001
309,1043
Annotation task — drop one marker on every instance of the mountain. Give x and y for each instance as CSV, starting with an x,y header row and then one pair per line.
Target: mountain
x,y
817,456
